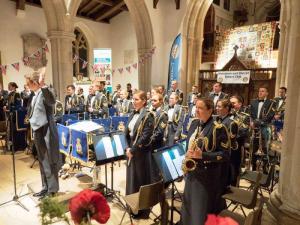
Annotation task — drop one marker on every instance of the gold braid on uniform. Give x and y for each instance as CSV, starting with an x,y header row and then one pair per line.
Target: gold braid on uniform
x,y
141,127
233,147
224,145
176,119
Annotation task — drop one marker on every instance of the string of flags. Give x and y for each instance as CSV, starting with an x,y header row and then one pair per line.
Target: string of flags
x,y
26,60
103,68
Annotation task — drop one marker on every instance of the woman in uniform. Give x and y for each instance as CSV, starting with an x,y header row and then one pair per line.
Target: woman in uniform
x,y
138,133
208,145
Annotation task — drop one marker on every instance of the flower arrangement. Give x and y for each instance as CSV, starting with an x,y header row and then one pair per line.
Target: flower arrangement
x,y
88,205
218,220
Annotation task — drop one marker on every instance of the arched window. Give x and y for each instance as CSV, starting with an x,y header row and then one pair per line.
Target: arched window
x,y
81,49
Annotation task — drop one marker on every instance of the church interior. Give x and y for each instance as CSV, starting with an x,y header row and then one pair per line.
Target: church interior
x,y
150,112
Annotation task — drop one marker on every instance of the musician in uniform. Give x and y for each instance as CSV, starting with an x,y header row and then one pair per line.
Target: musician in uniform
x,y
138,133
208,145
116,95
124,106
280,103
45,134
217,93
129,91
14,104
73,103
174,88
192,95
223,109
3,100
98,106
162,91
80,93
240,114
262,111
175,120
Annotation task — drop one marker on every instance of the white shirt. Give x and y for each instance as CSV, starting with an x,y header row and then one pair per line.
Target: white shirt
x,y
216,98
34,97
170,115
280,103
260,105
132,123
193,113
92,100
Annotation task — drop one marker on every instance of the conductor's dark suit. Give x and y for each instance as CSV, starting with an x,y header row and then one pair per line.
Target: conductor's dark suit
x,y
45,137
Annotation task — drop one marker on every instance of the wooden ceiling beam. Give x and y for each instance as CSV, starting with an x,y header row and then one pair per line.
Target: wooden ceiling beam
x,y
95,9
103,14
20,4
105,2
86,6
177,2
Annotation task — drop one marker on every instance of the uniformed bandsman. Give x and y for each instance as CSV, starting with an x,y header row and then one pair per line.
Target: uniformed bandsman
x,y
90,98
262,111
73,103
217,93
116,95
223,109
124,106
208,145
280,104
241,115
174,88
175,120
99,106
192,95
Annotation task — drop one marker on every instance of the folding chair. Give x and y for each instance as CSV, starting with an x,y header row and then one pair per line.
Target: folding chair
x,y
243,198
147,197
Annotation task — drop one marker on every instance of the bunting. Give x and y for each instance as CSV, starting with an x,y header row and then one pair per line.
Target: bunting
x,y
84,64
3,69
16,66
128,68
135,65
120,70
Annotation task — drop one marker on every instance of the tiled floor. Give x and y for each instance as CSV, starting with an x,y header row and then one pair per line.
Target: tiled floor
x,y
12,214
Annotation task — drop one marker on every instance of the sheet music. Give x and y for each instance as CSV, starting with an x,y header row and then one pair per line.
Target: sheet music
x,y
119,146
178,164
170,165
85,126
109,152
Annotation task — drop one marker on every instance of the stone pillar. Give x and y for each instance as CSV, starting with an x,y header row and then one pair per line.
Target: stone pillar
x,y
62,65
283,77
144,71
284,205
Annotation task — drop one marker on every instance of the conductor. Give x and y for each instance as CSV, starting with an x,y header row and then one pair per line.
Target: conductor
x,y
40,114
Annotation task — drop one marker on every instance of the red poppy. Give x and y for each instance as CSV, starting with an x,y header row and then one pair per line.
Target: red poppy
x,y
92,202
218,220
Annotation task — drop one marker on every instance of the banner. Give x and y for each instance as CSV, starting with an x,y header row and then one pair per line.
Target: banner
x,y
175,61
234,77
63,139
80,148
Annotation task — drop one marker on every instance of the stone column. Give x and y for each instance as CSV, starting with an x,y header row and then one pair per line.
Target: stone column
x,y
144,75
62,65
284,205
283,77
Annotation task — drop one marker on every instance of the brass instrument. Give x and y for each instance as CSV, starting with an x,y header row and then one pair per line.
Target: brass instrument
x,y
241,119
190,164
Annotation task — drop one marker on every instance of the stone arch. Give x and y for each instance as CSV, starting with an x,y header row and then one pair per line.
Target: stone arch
x,y
144,33
90,37
192,38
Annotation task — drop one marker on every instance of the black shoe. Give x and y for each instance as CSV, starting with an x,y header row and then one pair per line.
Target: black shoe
x,y
39,194
47,195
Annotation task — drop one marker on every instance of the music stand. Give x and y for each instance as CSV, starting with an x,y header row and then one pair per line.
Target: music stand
x,y
169,161
11,144
109,148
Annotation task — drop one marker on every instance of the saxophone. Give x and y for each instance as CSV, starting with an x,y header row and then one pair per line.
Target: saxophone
x,y
189,164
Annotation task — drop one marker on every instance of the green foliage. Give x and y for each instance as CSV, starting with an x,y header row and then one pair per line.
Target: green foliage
x,y
52,211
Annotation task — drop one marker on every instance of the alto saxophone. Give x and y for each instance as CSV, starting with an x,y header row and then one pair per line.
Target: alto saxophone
x,y
190,164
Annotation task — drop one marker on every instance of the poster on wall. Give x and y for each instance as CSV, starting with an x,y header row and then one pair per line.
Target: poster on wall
x,y
102,67
255,45
175,61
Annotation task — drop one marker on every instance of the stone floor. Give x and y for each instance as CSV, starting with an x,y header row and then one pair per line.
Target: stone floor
x,y
13,214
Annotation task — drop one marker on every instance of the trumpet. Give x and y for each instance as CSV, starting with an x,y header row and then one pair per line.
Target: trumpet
x,y
189,164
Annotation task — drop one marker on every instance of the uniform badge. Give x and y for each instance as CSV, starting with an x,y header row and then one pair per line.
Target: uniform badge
x,y
163,125
63,139
219,157
121,126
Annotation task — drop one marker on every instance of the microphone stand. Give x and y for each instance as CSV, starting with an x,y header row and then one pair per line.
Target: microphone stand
x,y
11,145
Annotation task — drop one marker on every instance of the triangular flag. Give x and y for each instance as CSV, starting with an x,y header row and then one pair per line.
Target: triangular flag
x,y
37,54
95,67
134,65
75,58
84,64
128,68
46,48
3,69
113,71
102,70
16,66
153,50
26,60
120,70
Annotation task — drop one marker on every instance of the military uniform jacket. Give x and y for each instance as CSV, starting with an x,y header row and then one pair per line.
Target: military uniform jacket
x,y
13,101
280,108
175,127
115,98
217,146
222,95
100,105
161,121
77,105
267,112
190,98
124,107
232,129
